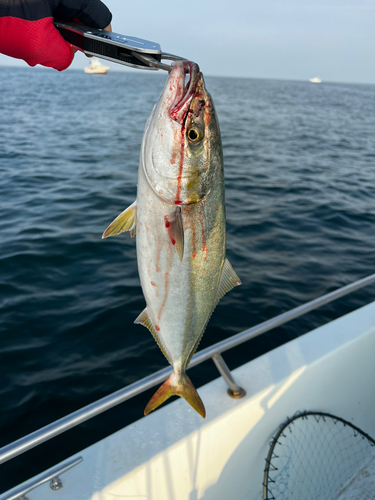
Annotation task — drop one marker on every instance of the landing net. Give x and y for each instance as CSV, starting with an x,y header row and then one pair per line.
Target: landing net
x,y
317,456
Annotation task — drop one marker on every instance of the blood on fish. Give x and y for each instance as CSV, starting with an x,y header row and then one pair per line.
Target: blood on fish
x,y
206,114
153,284
157,328
194,242
166,284
178,192
204,249
168,226
157,260
200,105
174,113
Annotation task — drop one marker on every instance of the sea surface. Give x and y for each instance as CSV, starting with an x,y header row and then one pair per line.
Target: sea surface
x,y
300,199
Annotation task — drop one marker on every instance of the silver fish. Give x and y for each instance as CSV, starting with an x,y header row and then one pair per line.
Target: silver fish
x,y
179,219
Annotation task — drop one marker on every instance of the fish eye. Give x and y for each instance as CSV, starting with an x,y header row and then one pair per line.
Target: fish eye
x,y
195,134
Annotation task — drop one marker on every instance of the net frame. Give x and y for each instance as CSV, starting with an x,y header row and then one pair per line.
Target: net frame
x,y
318,415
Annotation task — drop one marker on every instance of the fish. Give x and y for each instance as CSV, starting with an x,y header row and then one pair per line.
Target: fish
x,y
179,222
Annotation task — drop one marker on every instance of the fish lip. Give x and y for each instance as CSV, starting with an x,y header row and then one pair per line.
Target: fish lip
x,y
179,110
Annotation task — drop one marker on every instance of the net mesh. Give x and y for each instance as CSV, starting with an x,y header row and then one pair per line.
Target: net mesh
x,y
316,456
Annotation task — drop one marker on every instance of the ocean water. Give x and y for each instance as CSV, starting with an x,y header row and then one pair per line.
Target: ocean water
x,y
300,191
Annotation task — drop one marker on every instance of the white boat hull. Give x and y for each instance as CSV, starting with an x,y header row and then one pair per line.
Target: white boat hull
x,y
101,71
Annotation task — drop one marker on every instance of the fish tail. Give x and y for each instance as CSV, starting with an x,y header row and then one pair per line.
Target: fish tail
x,y
177,385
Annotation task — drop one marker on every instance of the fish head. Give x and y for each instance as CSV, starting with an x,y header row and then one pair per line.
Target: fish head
x,y
182,143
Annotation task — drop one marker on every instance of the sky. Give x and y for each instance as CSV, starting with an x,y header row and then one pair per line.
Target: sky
x,y
280,39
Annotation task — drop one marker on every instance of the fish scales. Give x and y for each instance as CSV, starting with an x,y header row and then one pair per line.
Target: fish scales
x,y
179,221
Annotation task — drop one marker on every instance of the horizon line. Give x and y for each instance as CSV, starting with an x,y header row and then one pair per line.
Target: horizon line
x,y
135,71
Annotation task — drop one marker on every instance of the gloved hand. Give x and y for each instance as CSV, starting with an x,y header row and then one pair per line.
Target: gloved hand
x,y
27,31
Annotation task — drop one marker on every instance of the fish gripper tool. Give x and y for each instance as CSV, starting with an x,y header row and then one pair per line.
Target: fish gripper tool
x,y
128,50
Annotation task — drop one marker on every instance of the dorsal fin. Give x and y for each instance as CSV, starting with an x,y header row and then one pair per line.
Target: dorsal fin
x,y
126,221
145,320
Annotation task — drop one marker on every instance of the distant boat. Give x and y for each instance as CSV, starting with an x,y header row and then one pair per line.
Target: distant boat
x,y
315,80
96,67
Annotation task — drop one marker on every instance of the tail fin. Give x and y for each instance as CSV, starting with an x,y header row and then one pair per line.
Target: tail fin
x,y
177,386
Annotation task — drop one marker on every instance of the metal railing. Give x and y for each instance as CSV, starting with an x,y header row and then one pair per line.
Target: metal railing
x,y
53,476
49,431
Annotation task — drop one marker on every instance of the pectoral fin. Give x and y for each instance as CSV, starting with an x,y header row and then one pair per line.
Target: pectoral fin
x,y
175,228
126,221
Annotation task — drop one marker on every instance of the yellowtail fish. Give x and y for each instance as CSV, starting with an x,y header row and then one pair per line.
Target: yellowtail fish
x,y
179,219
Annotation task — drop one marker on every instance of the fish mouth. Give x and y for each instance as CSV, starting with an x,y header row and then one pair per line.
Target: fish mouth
x,y
184,93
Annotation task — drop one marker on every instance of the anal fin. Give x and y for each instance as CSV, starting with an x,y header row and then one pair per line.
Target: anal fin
x,y
126,221
145,320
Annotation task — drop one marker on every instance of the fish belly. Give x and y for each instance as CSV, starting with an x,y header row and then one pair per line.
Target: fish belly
x,y
180,295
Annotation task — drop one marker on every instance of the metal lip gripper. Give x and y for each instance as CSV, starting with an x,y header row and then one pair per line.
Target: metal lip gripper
x,y
128,50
